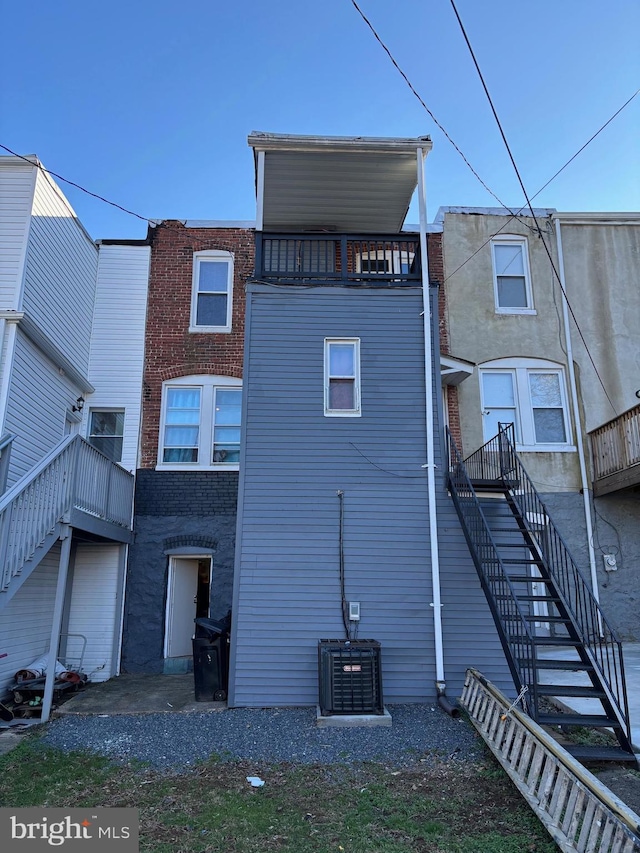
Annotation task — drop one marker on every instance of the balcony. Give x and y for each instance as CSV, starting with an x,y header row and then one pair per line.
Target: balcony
x,y
615,448
339,259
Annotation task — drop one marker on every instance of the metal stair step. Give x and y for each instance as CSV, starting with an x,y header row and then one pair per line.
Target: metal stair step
x,y
566,665
538,617
520,579
587,720
582,692
599,753
567,642
546,599
513,561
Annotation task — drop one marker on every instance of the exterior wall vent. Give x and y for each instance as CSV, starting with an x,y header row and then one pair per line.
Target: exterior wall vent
x,y
350,677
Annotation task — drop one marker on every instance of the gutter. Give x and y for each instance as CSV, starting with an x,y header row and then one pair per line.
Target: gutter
x,y
429,419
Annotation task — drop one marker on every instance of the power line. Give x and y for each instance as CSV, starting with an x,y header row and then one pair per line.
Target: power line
x,y
528,200
425,107
552,178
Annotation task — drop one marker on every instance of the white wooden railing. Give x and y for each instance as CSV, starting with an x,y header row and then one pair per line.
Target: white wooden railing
x,y
580,814
73,476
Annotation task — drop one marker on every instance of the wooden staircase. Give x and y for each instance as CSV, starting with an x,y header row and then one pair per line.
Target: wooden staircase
x,y
556,639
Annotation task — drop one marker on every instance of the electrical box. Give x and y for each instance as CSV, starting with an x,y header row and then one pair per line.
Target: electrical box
x,y
610,562
354,611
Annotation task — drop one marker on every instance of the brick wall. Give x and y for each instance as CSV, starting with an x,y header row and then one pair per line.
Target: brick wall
x,y
193,493
170,349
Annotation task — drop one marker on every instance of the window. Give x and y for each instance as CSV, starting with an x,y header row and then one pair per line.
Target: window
x,y
511,281
386,261
211,301
342,377
200,426
530,394
106,429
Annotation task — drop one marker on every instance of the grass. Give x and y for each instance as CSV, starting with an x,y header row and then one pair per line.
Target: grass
x,y
449,807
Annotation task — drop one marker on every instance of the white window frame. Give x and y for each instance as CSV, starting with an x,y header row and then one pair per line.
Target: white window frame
x,y
211,256
520,369
510,240
207,386
356,412
391,256
118,410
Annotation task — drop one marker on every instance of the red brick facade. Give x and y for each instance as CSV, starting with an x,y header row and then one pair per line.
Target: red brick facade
x,y
170,349
436,276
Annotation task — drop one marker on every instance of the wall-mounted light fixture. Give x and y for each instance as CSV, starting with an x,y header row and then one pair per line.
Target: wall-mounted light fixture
x,y
79,405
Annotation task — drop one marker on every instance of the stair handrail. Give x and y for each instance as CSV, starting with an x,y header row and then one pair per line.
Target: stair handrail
x,y
597,635
518,646
32,507
498,458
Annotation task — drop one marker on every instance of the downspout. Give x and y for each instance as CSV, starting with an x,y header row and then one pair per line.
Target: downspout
x,y
576,416
431,468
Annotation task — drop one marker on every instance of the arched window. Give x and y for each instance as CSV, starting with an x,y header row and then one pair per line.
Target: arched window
x,y
531,394
200,423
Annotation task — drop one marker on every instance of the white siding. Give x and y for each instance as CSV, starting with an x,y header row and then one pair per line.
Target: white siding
x,y
117,344
25,623
60,274
39,397
16,192
94,607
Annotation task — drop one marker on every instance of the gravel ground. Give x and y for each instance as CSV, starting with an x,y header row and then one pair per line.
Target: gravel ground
x,y
180,740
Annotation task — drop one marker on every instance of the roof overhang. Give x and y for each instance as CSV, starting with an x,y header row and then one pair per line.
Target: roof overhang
x,y
335,183
453,371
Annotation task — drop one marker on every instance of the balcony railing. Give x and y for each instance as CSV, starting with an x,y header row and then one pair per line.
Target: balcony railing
x,y
338,259
615,448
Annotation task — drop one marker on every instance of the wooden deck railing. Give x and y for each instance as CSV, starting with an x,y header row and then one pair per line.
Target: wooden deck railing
x,y
579,812
73,476
615,448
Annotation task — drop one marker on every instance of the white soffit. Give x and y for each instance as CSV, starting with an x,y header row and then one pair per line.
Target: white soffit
x,y
349,184
453,371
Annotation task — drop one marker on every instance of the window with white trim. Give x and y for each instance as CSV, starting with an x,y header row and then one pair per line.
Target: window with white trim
x,y
342,377
106,430
531,394
200,424
212,292
511,279
385,261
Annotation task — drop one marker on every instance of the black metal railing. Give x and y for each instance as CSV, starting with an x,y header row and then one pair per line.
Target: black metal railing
x,y
337,258
498,460
513,627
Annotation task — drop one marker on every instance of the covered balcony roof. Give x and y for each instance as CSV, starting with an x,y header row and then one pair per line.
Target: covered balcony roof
x,y
359,185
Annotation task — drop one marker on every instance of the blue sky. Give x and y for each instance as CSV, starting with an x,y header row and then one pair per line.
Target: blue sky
x,y
150,104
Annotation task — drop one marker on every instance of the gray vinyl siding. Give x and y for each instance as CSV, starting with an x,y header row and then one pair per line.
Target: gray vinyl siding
x,y
16,193
25,623
287,591
296,460
39,397
60,274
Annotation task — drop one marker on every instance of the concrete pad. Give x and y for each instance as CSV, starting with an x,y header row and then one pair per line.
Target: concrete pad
x,y
349,721
139,694
631,658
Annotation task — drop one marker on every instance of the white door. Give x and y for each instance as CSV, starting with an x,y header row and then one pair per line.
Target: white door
x,y
181,606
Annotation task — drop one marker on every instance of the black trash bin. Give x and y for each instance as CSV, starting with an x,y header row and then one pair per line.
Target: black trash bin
x,y
211,660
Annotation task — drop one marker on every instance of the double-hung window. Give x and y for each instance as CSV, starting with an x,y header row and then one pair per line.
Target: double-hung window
x,y
530,394
200,428
342,377
212,292
511,279
106,430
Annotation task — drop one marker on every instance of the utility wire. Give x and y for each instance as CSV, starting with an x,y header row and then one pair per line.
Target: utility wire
x,y
425,107
528,200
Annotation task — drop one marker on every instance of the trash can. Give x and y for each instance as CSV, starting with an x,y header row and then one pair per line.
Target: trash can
x,y
211,660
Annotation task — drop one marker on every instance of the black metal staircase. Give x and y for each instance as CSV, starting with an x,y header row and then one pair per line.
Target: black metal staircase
x,y
556,639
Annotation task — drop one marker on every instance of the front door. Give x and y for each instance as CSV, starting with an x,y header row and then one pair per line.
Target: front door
x,y
187,597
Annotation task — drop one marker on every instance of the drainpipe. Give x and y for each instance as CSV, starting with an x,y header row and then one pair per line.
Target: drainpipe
x,y
430,466
586,495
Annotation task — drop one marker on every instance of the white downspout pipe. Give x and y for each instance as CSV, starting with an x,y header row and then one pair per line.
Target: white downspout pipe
x,y
431,468
586,495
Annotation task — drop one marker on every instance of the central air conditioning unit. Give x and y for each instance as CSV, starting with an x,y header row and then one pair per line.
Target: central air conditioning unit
x,y
350,677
